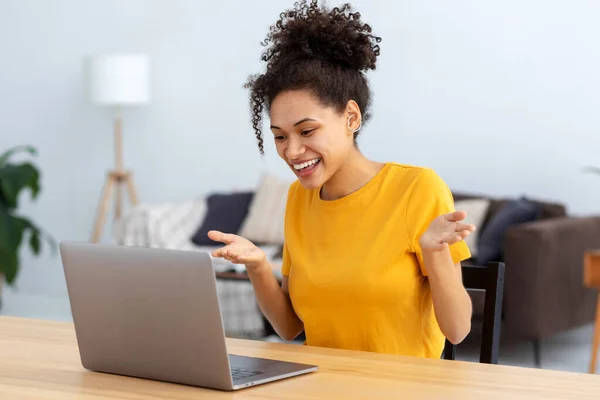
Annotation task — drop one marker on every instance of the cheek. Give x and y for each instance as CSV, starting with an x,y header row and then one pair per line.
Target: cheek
x,y
280,147
334,145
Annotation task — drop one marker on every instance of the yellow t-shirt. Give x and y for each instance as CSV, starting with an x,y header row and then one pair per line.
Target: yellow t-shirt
x,y
356,275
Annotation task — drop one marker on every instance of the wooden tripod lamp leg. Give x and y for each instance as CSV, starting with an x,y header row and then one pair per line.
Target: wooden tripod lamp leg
x,y
103,208
115,179
118,200
132,192
118,161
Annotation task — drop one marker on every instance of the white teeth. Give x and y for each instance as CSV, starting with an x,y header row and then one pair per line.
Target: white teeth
x,y
306,164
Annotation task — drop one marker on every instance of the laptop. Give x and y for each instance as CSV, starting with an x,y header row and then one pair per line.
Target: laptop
x,y
154,314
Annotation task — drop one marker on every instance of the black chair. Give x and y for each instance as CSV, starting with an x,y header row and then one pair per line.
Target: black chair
x,y
491,280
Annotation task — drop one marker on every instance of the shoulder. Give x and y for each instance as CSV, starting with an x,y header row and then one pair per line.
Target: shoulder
x,y
421,189
416,180
427,194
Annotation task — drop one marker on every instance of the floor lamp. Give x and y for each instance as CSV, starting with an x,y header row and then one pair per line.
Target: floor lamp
x,y
117,81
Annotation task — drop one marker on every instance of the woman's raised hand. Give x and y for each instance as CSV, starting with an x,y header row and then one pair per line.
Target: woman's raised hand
x,y
446,230
238,250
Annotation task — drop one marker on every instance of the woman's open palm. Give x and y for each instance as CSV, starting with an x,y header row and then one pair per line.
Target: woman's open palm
x,y
237,249
446,230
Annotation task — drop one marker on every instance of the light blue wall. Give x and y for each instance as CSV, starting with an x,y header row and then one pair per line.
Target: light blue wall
x,y
499,97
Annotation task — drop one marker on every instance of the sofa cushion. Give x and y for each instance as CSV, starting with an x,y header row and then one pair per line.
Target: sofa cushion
x,y
225,212
266,217
476,210
547,209
491,238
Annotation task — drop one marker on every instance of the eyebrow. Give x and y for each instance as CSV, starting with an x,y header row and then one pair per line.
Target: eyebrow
x,y
296,124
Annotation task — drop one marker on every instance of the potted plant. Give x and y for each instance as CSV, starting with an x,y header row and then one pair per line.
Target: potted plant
x,y
14,178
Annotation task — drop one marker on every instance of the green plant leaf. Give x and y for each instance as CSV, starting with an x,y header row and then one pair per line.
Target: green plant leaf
x,y
11,235
7,154
11,231
9,265
35,230
14,178
34,242
5,229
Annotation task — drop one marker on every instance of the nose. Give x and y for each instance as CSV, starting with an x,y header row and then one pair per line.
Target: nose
x,y
294,149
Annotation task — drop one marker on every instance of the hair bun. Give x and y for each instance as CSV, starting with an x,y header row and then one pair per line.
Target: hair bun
x,y
337,36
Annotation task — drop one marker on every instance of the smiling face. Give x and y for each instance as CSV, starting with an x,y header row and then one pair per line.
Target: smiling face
x,y
312,139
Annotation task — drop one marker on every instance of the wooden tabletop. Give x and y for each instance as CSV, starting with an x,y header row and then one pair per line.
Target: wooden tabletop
x,y
40,360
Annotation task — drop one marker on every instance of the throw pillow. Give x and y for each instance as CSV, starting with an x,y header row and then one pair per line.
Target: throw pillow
x,y
225,212
491,239
476,210
266,217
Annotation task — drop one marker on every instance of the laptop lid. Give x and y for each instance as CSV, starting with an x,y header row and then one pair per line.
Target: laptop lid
x,y
149,313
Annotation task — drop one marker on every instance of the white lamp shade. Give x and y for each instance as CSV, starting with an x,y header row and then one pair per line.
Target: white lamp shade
x,y
119,79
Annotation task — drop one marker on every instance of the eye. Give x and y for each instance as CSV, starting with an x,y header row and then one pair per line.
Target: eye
x,y
308,131
279,138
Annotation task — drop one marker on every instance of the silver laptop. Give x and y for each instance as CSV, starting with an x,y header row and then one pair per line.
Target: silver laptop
x,y
154,314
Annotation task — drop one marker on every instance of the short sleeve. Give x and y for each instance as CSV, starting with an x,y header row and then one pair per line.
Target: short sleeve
x,y
429,198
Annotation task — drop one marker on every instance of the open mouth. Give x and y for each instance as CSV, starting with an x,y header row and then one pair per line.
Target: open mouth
x,y
306,167
300,167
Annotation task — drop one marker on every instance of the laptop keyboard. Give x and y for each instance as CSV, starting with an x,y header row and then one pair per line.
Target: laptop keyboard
x,y
241,373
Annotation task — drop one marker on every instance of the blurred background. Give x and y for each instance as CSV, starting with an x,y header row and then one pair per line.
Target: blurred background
x,y
500,98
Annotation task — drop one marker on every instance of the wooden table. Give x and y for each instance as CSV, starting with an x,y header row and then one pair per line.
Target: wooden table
x,y
591,278
40,360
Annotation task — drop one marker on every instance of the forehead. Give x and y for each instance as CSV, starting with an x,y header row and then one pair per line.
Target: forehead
x,y
292,106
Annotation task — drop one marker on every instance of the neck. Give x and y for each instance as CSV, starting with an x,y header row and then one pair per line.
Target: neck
x,y
356,172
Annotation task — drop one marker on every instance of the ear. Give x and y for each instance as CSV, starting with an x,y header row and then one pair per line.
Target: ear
x,y
353,115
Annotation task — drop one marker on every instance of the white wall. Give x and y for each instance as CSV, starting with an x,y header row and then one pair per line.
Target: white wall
x,y
500,97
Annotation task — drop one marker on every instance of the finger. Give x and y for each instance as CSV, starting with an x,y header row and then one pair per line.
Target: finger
x,y
222,252
230,254
456,216
232,259
456,237
217,253
219,236
453,240
465,227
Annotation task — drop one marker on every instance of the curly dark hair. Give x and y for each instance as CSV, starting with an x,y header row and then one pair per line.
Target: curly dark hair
x,y
321,50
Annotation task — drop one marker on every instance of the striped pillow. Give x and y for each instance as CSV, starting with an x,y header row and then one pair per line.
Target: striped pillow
x,y
265,221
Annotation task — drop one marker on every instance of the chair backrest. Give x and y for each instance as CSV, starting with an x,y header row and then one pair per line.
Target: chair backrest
x,y
489,278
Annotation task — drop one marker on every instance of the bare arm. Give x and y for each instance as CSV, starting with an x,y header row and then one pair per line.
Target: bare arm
x,y
451,302
274,301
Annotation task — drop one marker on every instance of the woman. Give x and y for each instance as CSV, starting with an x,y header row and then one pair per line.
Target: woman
x,y
372,250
